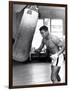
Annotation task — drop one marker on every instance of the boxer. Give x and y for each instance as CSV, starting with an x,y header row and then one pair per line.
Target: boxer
x,y
55,47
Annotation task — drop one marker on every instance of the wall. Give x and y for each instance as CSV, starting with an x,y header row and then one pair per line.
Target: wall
x,y
50,12
4,40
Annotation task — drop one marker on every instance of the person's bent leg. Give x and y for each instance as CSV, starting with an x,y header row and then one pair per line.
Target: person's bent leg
x,y
55,74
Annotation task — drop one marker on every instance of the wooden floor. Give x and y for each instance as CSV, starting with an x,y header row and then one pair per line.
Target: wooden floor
x,y
33,73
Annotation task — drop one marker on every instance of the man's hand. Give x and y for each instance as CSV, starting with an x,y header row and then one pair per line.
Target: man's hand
x,y
37,51
54,57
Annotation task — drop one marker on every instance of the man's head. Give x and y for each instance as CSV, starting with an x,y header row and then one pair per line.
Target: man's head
x,y
44,31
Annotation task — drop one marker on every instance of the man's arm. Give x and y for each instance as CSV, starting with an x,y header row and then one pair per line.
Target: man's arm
x,y
40,48
62,47
60,44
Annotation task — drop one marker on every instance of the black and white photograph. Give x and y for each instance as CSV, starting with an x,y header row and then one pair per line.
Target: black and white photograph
x,y
37,44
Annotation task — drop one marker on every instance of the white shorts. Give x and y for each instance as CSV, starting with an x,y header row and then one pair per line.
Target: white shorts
x,y
58,61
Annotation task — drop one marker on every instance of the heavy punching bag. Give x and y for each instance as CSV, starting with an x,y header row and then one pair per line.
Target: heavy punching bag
x,y
23,39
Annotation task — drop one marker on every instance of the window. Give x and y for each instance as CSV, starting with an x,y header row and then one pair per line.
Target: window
x,y
57,27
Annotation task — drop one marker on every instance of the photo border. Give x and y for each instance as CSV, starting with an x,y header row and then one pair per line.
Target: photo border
x,y
10,43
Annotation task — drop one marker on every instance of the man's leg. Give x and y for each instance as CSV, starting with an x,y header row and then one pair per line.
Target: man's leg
x,y
60,62
55,74
55,69
58,77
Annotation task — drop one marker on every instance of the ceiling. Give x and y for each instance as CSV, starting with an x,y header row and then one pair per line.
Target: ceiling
x,y
45,11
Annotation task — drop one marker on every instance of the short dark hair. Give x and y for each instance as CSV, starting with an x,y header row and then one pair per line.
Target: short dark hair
x,y
45,28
